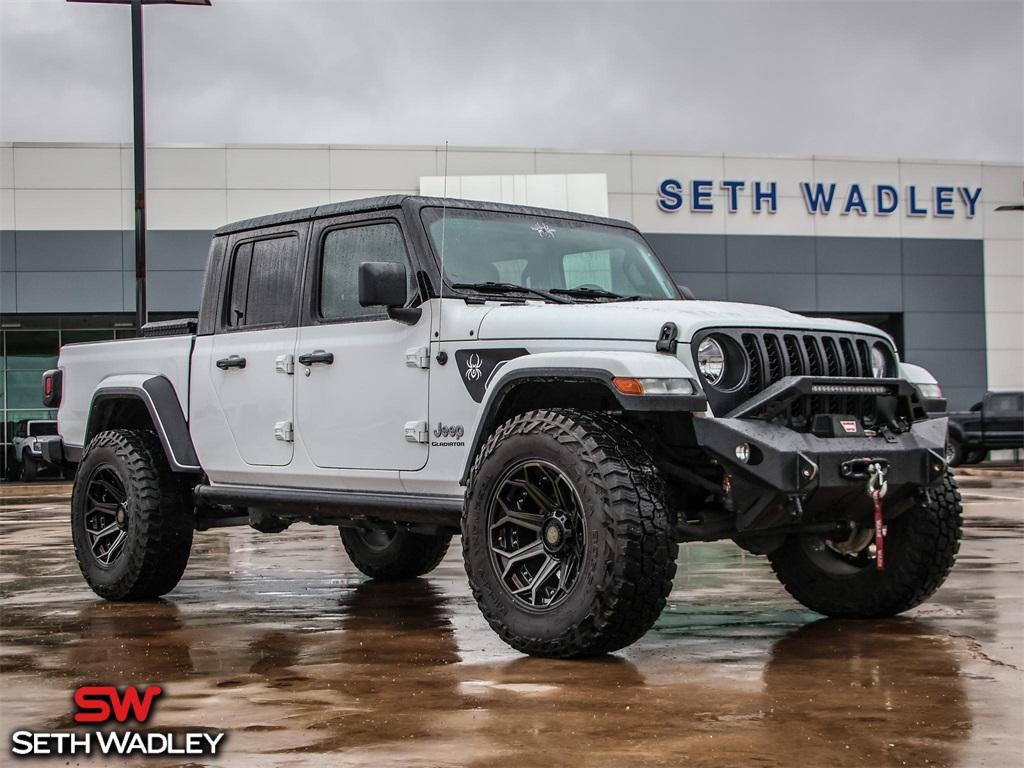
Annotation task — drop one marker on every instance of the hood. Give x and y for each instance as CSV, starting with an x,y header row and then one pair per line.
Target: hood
x,y
642,320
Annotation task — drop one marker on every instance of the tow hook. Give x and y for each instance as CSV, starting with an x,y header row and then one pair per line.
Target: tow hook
x,y
877,487
859,469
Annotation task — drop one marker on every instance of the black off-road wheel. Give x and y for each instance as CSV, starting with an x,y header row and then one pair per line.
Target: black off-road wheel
x,y
566,538
394,553
840,579
130,521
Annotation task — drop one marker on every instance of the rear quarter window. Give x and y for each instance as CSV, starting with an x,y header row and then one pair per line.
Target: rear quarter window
x,y
263,283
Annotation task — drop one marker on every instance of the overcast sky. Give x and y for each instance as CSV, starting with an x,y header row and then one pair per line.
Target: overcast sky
x,y
935,79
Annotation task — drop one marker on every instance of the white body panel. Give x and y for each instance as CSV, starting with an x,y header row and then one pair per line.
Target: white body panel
x,y
352,413
642,320
254,399
90,367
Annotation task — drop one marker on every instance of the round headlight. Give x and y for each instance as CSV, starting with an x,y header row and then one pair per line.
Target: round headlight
x,y
879,363
711,360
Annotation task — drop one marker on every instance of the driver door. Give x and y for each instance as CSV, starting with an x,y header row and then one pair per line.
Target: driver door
x,y
358,390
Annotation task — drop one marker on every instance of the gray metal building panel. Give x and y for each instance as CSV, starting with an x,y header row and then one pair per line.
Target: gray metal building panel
x,y
944,293
172,291
57,251
962,398
944,330
959,367
857,255
690,253
866,293
169,250
69,292
8,292
789,291
7,251
943,257
707,286
780,253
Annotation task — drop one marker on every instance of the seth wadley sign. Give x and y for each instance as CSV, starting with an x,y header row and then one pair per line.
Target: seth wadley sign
x,y
821,199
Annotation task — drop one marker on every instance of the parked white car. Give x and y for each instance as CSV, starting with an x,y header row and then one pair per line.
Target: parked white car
x,y
27,446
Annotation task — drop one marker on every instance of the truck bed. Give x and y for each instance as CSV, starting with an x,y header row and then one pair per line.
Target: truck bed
x,y
127,361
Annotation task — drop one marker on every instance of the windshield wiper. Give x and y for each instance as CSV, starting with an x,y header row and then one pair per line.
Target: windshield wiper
x,y
491,287
593,293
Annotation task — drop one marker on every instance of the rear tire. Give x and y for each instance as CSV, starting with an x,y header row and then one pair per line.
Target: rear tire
x,y
130,522
976,457
920,549
566,536
394,554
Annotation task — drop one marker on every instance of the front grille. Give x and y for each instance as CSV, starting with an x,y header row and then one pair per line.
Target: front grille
x,y
770,355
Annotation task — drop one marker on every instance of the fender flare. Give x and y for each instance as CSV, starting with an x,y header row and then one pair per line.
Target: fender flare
x,y
956,431
161,401
600,369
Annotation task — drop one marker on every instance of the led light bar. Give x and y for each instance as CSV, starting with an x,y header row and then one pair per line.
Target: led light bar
x,y
849,389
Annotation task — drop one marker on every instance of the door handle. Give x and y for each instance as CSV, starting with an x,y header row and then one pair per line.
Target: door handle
x,y
317,356
231,362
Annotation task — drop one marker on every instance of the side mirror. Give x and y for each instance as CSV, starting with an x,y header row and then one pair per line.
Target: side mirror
x,y
385,284
382,284
686,293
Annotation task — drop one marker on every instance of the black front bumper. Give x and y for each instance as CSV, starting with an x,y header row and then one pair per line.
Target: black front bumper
x,y
797,476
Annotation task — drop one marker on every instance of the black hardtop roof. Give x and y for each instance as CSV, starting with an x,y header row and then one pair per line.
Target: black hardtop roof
x,y
371,204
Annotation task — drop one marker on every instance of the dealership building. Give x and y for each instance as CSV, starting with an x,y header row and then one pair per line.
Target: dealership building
x,y
933,252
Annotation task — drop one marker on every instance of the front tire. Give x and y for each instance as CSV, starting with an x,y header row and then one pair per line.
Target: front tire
x,y
566,537
130,522
29,469
395,553
954,452
920,549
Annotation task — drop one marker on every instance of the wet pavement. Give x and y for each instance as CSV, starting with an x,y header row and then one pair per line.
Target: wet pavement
x,y
278,641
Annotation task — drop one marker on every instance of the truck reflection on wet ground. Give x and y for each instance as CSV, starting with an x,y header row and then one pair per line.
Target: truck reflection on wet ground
x,y
276,640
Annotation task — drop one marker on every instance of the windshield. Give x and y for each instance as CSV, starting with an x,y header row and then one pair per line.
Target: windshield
x,y
42,428
541,254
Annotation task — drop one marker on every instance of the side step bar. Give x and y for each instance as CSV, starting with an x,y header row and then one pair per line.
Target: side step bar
x,y
323,506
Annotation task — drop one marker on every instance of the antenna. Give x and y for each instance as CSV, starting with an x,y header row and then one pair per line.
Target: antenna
x,y
442,357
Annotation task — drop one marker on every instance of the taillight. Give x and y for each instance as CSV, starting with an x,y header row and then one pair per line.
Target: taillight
x,y
52,387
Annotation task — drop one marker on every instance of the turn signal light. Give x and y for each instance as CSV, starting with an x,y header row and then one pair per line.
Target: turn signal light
x,y
628,386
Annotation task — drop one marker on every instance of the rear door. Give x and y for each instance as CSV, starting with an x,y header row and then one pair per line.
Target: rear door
x,y
248,362
367,382
1004,419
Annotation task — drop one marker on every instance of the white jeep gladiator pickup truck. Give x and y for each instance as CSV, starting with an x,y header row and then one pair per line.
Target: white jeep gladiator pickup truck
x,y
406,368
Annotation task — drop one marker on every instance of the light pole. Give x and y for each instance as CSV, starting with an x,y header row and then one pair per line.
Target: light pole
x,y
139,109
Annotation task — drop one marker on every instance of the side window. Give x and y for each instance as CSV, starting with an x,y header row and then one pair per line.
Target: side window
x,y
1005,403
343,251
263,283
